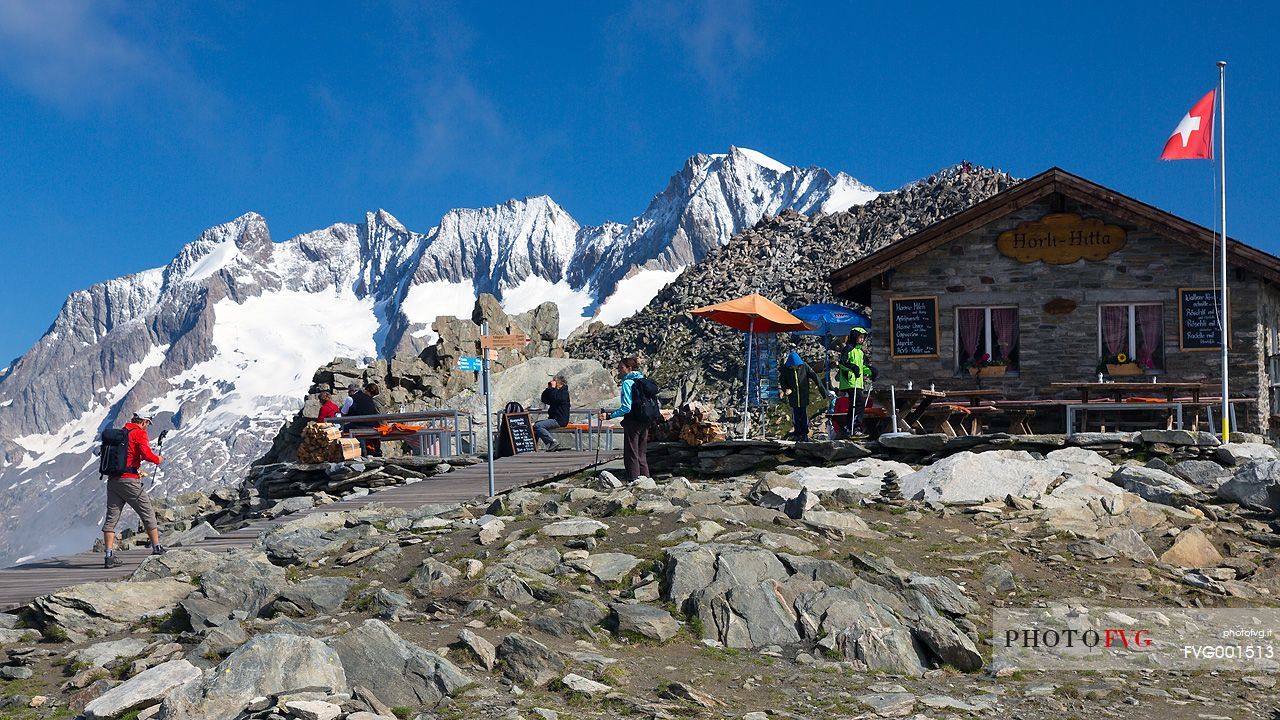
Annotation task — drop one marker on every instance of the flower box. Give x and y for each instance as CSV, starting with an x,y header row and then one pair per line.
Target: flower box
x,y
1124,369
988,371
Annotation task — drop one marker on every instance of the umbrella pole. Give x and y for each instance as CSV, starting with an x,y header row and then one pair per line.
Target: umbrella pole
x,y
746,400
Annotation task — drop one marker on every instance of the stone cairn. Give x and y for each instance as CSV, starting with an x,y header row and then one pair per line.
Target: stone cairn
x,y
890,490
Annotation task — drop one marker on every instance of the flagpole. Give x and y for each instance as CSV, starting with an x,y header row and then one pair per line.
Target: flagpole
x,y
1222,202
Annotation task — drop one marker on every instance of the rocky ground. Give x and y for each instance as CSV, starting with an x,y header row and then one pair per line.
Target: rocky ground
x,y
788,592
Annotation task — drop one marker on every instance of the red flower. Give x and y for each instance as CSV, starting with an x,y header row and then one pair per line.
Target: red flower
x,y
986,357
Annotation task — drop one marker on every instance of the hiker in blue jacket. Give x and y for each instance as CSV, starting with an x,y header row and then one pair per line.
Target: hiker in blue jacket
x,y
635,429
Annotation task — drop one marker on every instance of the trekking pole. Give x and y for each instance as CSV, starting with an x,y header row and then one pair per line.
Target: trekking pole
x,y
159,446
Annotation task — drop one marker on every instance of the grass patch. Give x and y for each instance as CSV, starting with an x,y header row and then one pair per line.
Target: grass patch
x,y
293,574
402,712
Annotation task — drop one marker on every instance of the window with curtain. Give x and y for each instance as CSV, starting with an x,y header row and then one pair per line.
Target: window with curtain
x,y
1134,330
990,332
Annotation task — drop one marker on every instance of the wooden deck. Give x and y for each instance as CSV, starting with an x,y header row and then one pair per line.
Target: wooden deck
x,y
23,583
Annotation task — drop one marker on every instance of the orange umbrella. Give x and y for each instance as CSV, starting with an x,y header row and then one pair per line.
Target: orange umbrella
x,y
753,313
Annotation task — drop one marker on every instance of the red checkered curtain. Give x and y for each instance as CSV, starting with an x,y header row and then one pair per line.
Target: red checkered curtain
x,y
1149,322
970,330
1115,328
1004,325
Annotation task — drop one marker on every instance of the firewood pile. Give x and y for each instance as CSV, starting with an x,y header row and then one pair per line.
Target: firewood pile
x,y
693,423
322,442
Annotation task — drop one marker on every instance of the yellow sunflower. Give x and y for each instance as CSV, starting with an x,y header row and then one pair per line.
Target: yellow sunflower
x,y
1122,358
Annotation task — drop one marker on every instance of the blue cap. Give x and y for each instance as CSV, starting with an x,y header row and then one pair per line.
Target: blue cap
x,y
794,359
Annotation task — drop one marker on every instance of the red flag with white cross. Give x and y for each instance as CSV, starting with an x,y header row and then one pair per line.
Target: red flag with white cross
x,y
1193,138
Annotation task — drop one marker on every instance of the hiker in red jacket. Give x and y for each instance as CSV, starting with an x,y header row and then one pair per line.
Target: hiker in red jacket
x,y
126,489
328,408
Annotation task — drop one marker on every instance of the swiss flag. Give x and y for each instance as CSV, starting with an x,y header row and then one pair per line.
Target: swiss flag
x,y
1193,138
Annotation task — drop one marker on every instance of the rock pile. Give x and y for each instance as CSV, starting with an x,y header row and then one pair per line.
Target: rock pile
x,y
787,258
428,379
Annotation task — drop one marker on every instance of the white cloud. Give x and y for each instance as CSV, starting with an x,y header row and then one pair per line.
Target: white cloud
x,y
717,38
77,54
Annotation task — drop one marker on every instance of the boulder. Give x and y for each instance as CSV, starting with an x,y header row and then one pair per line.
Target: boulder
x,y
929,443
583,685
255,670
104,653
396,671
608,567
313,709
244,580
1128,543
525,660
651,622
108,607
845,522
968,477
1256,484
590,384
431,577
542,559
862,476
1204,474
143,690
1152,485
1191,549
574,527
947,641
319,594
1082,463
1241,453
484,650
747,615
1176,438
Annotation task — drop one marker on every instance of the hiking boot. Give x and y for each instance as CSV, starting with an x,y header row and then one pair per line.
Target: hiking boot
x,y
111,561
552,446
159,549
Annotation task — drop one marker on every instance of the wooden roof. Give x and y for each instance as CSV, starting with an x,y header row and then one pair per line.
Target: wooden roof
x,y
851,279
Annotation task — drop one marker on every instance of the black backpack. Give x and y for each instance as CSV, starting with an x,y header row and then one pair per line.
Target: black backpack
x,y
645,409
113,460
513,407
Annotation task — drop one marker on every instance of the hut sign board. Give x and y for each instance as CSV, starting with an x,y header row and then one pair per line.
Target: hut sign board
x,y
913,327
1198,319
1061,239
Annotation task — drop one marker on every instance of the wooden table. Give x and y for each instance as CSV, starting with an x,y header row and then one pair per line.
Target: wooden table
x,y
912,405
1115,389
452,417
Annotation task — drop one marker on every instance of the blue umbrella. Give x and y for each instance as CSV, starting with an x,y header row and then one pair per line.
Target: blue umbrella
x,y
829,321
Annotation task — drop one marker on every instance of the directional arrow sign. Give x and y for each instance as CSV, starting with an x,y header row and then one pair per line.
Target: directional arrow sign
x,y
517,340
474,364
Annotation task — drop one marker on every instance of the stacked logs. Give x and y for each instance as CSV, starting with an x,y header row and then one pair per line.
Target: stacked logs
x,y
693,423
322,442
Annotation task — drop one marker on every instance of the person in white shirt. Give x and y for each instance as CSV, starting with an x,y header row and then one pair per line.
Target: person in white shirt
x,y
352,389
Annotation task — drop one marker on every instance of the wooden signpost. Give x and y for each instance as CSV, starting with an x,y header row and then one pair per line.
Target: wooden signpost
x,y
515,340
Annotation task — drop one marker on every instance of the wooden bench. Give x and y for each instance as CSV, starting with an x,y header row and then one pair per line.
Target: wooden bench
x,y
968,423
1172,410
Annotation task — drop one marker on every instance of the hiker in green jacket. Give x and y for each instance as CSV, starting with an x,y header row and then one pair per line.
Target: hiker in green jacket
x,y
794,380
853,374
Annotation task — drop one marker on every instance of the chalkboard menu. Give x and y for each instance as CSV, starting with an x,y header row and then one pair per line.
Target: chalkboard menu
x,y
515,434
1198,319
913,327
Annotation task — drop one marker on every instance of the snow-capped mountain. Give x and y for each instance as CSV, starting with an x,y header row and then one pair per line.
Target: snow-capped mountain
x,y
221,342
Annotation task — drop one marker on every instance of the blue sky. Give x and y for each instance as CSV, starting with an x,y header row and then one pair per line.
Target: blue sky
x,y
129,127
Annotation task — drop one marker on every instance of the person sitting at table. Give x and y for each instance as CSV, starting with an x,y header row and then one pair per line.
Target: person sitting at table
x,y
328,408
795,378
556,398
352,389
852,376
366,402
